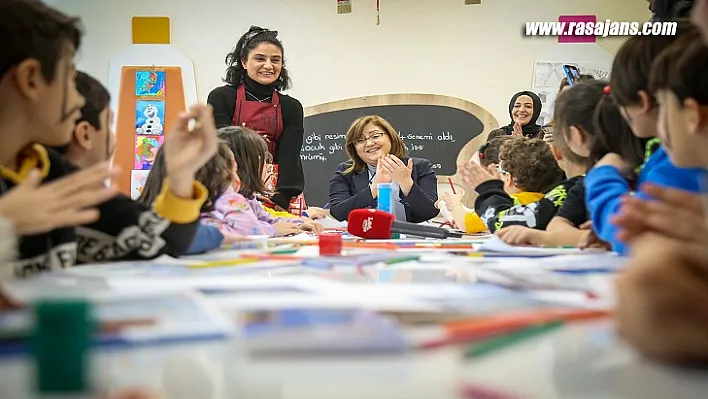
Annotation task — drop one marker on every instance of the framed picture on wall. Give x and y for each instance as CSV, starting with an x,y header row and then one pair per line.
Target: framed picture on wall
x,y
150,83
149,117
137,183
145,151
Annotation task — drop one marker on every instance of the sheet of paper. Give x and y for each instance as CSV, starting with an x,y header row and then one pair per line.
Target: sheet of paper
x,y
495,244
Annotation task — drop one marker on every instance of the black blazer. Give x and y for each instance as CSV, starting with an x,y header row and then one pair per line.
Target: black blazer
x,y
351,191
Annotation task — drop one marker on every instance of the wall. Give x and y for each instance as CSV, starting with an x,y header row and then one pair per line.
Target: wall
x,y
424,46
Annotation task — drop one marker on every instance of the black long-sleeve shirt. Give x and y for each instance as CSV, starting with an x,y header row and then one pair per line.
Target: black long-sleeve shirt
x,y
125,230
497,209
291,179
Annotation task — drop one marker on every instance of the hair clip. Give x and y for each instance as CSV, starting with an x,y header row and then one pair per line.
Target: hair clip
x,y
607,89
481,155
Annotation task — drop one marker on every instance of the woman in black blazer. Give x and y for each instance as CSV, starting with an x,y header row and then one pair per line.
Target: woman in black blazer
x,y
377,155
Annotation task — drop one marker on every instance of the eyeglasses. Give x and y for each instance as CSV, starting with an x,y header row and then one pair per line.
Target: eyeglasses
x,y
374,138
501,171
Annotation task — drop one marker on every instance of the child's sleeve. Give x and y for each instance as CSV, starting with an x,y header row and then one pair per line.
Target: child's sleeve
x,y
497,209
240,216
206,239
128,230
574,209
604,188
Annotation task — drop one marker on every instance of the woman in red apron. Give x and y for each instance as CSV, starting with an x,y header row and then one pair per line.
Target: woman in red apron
x,y
255,76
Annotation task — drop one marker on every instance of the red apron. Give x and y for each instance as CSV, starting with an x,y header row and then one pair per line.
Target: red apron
x,y
266,119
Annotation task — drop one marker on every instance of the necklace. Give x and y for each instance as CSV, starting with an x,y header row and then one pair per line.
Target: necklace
x,y
258,99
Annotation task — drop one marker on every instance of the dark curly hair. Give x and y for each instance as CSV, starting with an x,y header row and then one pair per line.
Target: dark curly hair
x,y
530,162
236,73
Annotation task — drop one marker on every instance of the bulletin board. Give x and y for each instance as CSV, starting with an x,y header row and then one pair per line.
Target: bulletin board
x,y
149,101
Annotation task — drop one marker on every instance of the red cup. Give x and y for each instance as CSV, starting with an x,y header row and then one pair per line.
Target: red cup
x,y
330,244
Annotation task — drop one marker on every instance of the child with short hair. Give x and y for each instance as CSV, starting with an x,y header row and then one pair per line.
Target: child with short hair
x,y
607,182
581,138
526,169
252,156
39,105
467,219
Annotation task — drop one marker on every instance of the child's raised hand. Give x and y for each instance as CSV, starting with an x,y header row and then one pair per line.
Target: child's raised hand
x,y
286,228
69,201
671,212
521,235
473,175
661,299
186,151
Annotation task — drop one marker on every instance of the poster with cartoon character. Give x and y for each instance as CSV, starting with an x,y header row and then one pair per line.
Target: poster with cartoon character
x,y
149,116
137,183
145,151
150,83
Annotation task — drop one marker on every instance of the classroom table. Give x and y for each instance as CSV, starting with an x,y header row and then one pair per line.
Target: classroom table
x,y
579,361
576,361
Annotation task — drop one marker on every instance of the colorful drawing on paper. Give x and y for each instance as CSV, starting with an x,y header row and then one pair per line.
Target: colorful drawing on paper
x,y
149,116
149,83
137,182
145,151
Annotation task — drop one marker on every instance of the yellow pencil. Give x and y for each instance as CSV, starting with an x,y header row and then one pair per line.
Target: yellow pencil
x,y
223,263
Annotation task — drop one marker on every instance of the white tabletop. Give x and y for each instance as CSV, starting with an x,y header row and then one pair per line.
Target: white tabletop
x,y
580,361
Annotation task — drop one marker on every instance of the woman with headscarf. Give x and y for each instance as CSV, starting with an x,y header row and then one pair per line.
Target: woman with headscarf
x,y
524,110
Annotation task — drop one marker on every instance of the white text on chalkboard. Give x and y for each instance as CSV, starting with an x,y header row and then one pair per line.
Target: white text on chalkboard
x,y
313,157
312,137
443,136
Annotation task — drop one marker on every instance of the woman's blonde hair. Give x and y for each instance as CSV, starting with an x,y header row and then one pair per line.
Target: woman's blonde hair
x,y
398,148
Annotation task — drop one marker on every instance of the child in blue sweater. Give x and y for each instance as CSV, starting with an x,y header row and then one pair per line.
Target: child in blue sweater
x,y
662,296
609,180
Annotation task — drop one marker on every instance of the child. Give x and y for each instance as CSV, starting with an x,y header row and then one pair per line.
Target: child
x,y
526,169
607,183
662,295
226,208
207,237
564,85
40,105
251,154
94,142
489,158
581,139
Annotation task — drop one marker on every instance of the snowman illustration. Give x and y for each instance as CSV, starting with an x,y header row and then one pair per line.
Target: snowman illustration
x,y
153,124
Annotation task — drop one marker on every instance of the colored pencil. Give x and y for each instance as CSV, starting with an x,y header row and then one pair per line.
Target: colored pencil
x,y
452,186
494,344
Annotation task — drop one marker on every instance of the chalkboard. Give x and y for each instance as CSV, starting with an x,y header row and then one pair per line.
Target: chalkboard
x,y
435,132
